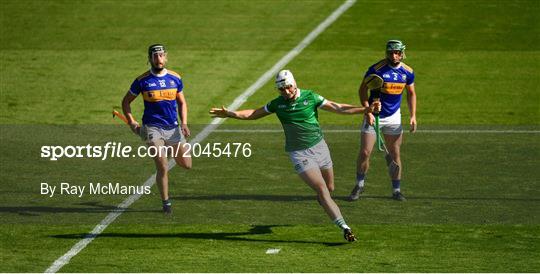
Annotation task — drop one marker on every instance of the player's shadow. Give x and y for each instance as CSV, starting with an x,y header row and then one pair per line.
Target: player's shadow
x,y
89,207
221,236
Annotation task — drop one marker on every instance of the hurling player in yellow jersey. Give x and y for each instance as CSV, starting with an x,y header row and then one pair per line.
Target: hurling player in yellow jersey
x,y
397,78
162,92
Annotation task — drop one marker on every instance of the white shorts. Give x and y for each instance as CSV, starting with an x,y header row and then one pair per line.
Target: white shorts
x,y
390,125
151,135
317,156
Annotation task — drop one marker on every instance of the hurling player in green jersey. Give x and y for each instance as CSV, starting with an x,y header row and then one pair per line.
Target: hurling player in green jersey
x,y
297,110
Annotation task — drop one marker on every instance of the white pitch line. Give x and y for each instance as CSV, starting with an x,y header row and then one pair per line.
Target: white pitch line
x,y
98,229
491,131
273,250
289,56
464,131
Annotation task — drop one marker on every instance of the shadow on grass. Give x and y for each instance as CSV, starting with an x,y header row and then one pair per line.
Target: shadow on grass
x,y
95,207
441,198
297,198
222,236
91,207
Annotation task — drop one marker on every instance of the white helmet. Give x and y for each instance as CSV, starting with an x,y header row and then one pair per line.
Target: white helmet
x,y
284,78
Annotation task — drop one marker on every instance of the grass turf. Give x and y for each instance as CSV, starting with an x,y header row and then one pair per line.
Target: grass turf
x,y
216,206
472,197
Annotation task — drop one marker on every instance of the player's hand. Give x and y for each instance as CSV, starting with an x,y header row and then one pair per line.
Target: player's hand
x,y
375,107
135,127
219,112
185,130
413,124
370,119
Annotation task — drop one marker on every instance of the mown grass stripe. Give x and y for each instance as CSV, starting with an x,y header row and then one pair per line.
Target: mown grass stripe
x,y
464,131
63,260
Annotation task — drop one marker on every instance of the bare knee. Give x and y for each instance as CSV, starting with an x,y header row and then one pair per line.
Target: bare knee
x,y
322,192
395,153
187,165
328,176
184,162
161,170
363,160
396,157
364,154
182,156
330,187
162,167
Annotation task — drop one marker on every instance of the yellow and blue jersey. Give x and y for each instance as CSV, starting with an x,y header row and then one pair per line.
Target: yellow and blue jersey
x,y
395,80
159,95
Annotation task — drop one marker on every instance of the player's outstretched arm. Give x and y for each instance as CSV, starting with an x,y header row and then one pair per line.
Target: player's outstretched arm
x,y
246,114
349,109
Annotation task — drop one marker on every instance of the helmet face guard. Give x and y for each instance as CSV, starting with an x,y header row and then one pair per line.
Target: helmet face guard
x,y
156,49
395,45
284,79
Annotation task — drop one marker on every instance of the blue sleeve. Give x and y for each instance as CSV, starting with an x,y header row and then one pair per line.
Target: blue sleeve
x,y
135,88
371,70
410,79
180,85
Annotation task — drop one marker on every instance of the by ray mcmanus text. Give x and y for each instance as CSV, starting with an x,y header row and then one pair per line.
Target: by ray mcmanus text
x,y
92,189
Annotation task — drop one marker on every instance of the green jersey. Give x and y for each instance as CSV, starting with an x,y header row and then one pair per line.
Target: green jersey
x,y
299,119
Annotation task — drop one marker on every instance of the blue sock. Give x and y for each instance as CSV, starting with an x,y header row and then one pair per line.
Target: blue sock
x,y
360,179
396,185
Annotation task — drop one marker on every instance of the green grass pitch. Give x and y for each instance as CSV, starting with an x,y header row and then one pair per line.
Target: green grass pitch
x,y
473,192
